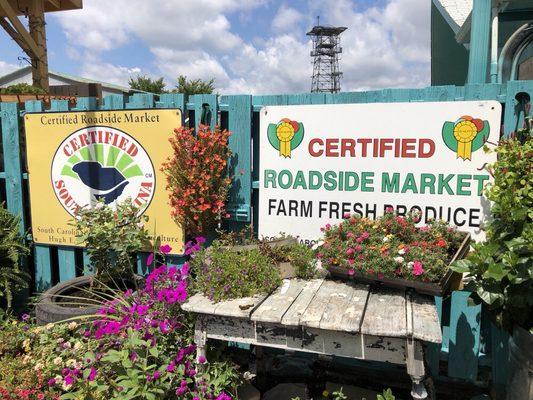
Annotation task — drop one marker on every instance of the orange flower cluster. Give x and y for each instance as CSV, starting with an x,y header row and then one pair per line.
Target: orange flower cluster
x,y
197,177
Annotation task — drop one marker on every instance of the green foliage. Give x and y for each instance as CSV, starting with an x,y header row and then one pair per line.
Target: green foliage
x,y
147,84
194,86
12,248
300,256
387,395
501,269
112,237
222,273
22,88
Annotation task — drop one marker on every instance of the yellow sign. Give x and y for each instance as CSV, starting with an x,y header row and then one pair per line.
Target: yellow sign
x,y
76,159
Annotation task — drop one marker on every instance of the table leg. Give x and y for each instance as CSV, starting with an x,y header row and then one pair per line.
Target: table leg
x,y
200,339
416,369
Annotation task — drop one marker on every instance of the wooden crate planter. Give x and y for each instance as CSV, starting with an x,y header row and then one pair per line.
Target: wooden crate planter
x,y
449,281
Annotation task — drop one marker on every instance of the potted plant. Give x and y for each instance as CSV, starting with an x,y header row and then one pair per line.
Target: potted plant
x,y
393,251
112,238
500,270
12,248
237,265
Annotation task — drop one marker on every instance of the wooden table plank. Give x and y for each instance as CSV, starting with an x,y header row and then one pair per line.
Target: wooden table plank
x,y
298,307
199,304
239,308
426,324
275,305
314,312
385,313
345,309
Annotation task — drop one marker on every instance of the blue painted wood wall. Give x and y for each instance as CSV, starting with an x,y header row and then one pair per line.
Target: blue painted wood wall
x,y
471,344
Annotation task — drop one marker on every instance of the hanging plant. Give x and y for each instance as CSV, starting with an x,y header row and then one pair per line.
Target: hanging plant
x,y
197,177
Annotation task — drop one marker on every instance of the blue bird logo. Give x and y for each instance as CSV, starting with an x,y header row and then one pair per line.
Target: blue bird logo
x,y
107,183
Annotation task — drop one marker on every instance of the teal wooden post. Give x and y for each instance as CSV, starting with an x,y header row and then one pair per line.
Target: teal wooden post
x,y
479,41
66,255
239,124
465,328
86,104
499,356
514,111
42,259
12,165
13,178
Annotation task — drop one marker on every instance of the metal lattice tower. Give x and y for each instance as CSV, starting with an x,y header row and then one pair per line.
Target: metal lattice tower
x,y
325,53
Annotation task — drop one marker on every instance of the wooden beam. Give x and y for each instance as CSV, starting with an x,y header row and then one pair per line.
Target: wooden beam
x,y
55,3
38,34
12,16
15,36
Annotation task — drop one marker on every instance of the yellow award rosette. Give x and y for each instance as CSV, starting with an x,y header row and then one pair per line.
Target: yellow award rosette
x,y
465,132
285,133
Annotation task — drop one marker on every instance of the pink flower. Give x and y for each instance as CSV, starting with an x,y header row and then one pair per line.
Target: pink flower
x,y
51,382
165,249
346,215
150,259
351,261
201,360
417,268
350,251
351,272
92,374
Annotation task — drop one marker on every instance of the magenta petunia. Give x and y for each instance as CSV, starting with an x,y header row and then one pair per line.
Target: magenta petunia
x,y
165,249
92,374
150,259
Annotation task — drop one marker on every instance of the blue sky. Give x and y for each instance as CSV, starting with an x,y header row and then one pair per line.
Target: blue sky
x,y
248,46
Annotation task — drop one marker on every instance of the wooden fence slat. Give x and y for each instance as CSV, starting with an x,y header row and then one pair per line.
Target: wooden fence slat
x,y
141,100
240,142
465,327
66,255
209,100
12,164
514,115
41,257
113,102
499,355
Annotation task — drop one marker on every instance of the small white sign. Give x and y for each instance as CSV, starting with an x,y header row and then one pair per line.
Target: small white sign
x,y
320,162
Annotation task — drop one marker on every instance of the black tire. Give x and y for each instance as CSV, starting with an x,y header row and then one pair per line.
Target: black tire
x,y
48,309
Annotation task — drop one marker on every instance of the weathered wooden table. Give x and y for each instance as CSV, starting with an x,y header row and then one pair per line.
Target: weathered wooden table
x,y
327,317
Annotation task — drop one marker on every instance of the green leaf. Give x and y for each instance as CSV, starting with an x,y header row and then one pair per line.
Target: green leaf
x,y
461,266
495,271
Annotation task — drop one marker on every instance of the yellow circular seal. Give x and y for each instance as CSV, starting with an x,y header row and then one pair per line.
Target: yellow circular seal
x,y
465,131
285,132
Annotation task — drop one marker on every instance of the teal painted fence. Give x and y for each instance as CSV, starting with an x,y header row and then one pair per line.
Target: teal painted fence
x,y
471,346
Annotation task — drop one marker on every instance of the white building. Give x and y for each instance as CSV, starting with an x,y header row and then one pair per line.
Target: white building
x,y
23,75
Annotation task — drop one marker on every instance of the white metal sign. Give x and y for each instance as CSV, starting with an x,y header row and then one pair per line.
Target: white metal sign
x,y
320,162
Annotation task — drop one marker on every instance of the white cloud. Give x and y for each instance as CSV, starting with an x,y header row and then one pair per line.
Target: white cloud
x,y
109,73
6,68
286,19
386,45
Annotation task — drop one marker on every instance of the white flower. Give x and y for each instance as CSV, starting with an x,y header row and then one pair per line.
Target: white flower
x,y
401,252
317,244
77,345
71,363
410,264
26,342
385,239
58,379
65,387
57,360
399,259
38,366
68,345
49,326
72,325
60,340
